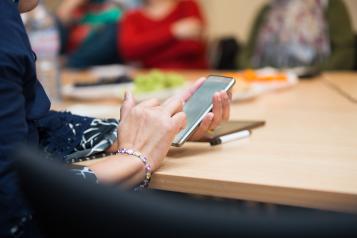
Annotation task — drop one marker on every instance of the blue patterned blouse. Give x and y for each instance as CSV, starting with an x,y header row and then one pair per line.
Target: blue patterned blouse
x,y
25,118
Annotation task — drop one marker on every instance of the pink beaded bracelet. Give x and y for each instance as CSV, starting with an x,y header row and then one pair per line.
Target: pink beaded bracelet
x,y
148,169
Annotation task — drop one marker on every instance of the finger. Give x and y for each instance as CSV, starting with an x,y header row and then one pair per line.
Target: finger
x,y
179,121
189,92
226,107
170,99
203,128
154,102
230,96
173,105
217,111
128,104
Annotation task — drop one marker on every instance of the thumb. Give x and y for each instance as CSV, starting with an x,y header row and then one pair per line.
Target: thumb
x,y
128,104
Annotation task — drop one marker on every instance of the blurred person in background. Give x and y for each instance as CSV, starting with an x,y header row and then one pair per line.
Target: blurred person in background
x,y
293,33
147,128
164,34
89,31
130,4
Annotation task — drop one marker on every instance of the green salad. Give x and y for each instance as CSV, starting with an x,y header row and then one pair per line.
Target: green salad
x,y
157,80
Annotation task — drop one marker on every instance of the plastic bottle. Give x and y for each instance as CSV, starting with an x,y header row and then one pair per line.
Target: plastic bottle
x,y
44,37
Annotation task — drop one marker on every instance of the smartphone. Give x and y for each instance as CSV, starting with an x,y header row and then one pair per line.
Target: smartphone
x,y
230,127
200,103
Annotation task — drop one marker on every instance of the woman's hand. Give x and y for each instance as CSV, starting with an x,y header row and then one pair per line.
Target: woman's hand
x,y
188,29
220,112
150,127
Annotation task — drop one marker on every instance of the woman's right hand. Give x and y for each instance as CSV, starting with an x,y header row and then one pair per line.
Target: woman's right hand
x,y
188,29
150,127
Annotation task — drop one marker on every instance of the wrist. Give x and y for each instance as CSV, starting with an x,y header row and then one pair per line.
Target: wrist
x,y
119,169
135,163
113,148
145,162
176,31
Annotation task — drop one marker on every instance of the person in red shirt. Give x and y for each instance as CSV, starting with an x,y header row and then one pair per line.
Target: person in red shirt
x,y
164,34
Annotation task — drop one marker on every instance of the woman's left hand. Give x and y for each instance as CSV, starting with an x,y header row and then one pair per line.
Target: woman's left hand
x,y
220,112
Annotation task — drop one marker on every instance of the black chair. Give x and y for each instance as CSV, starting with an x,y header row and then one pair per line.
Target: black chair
x,y
224,53
66,206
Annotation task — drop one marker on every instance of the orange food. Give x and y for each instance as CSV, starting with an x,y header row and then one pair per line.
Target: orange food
x,y
252,76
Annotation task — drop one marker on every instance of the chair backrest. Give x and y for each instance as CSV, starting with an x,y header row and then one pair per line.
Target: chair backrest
x,y
66,206
224,52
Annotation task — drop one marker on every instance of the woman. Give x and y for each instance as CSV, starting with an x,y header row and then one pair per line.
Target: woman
x,y
140,143
293,33
164,34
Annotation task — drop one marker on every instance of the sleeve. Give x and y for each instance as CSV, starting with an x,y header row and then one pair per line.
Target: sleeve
x,y
192,9
135,43
13,123
84,173
244,59
341,36
73,138
101,134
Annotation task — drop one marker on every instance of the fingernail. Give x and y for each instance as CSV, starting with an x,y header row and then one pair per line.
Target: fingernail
x,y
126,95
210,116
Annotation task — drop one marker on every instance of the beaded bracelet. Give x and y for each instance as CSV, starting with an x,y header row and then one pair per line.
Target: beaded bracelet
x,y
148,169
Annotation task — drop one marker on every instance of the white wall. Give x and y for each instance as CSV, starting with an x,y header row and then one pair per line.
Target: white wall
x,y
352,7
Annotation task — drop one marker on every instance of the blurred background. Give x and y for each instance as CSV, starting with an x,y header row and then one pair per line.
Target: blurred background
x,y
234,17
306,37
233,32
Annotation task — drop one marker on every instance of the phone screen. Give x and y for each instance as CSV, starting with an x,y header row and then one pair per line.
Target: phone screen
x,y
200,104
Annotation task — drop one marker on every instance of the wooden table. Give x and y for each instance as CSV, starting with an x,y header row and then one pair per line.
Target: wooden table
x,y
306,155
344,83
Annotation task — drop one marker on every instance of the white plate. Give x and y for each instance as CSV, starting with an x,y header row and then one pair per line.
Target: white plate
x,y
110,71
96,92
97,110
117,92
